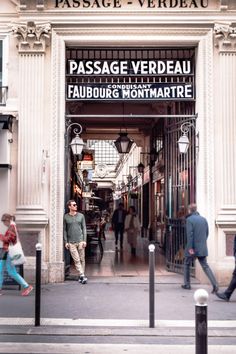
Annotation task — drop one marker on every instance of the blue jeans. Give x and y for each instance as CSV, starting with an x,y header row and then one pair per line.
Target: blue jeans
x,y
11,269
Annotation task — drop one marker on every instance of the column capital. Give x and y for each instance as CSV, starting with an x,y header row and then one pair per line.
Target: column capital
x,y
32,37
225,37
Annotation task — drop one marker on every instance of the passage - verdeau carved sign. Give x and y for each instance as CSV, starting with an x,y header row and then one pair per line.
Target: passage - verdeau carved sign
x,y
143,4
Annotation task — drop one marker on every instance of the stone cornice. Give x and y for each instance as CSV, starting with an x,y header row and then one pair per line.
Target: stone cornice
x,y
115,32
32,37
225,37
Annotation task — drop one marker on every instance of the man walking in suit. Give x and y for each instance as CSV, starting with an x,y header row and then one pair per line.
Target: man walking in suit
x,y
196,247
232,286
118,222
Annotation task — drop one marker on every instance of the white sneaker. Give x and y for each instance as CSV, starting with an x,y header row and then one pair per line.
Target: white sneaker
x,y
83,279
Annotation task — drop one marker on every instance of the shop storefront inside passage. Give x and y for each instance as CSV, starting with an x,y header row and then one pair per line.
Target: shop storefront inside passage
x,y
156,85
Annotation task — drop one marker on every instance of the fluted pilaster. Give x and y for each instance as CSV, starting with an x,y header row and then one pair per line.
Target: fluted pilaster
x,y
225,41
228,114
31,131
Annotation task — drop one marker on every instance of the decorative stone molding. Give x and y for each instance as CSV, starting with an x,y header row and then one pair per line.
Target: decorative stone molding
x,y
32,37
40,4
224,5
23,4
57,148
225,37
226,217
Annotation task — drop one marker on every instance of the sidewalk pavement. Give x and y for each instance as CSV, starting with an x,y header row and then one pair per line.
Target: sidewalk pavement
x,y
111,315
104,301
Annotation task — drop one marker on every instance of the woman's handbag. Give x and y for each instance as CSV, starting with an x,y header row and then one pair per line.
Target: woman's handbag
x,y
16,253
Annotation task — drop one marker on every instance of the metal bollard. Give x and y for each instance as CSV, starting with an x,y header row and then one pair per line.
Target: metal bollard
x,y
38,284
200,297
151,248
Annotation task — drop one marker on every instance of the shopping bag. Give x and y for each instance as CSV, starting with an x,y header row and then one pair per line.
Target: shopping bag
x,y
16,254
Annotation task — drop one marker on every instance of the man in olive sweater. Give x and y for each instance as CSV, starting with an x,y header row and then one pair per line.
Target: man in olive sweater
x,y
75,236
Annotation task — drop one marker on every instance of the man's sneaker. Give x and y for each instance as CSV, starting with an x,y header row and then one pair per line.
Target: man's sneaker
x,y
222,296
186,287
83,279
27,291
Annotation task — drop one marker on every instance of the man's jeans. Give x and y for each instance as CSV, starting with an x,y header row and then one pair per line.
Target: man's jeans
x,y
119,229
232,286
205,267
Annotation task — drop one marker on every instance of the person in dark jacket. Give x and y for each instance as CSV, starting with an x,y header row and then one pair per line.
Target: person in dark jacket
x,y
118,223
196,247
232,285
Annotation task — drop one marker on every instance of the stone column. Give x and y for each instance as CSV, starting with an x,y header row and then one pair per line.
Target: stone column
x,y
32,43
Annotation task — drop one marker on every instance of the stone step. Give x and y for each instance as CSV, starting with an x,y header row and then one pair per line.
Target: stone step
x,y
115,327
81,348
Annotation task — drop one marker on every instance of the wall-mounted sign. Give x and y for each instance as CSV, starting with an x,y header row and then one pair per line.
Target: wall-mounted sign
x,y
142,4
128,67
87,165
87,157
146,175
157,91
166,79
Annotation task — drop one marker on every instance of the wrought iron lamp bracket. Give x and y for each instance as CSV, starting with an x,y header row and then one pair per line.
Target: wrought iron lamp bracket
x,y
185,127
77,130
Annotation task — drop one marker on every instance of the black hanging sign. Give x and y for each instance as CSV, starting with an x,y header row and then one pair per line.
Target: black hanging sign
x,y
142,91
160,67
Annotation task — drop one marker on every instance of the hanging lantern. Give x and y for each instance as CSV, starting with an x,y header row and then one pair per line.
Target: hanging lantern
x,y
123,144
183,144
140,167
77,145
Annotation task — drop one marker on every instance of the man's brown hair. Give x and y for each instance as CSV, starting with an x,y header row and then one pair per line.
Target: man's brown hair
x,y
69,202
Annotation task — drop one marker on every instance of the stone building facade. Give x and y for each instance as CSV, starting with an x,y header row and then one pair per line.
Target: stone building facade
x,y
34,35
